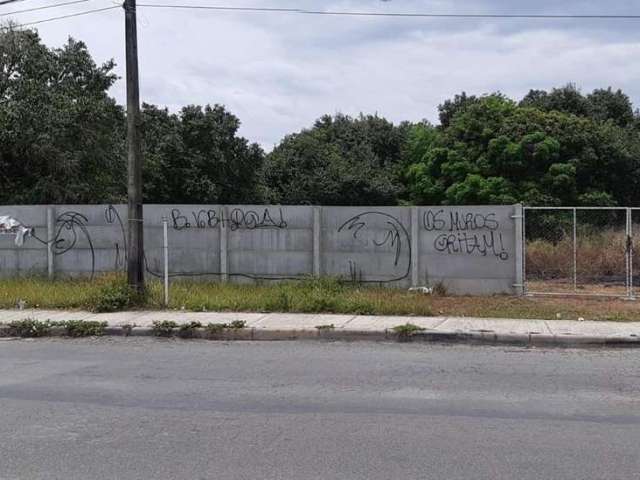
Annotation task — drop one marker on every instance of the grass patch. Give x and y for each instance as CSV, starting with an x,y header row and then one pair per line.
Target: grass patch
x,y
309,296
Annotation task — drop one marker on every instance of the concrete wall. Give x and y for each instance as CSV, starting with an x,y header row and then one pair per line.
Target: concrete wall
x,y
470,249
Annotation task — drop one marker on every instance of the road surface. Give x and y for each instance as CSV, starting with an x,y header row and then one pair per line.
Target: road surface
x,y
169,409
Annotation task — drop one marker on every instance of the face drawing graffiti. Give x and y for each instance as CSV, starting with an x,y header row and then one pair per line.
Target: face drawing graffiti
x,y
376,231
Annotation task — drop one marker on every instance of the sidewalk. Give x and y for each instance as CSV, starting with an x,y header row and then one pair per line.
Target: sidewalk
x,y
288,326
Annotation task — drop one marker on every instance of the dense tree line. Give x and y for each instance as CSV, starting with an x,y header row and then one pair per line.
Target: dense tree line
x,y
62,140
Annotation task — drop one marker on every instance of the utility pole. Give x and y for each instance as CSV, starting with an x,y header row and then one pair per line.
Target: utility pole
x,y
135,265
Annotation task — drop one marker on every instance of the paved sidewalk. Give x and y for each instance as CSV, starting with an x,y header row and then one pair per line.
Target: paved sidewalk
x,y
276,326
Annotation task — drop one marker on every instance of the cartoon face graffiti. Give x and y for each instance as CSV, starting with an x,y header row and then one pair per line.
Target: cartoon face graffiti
x,y
379,231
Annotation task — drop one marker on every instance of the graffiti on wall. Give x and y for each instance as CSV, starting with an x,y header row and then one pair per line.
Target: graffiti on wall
x,y
466,233
375,232
238,218
379,243
70,229
112,217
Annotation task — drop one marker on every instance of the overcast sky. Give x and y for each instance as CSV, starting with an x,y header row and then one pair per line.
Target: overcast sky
x,y
279,72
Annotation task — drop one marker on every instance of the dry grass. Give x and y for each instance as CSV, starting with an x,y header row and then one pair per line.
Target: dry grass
x,y
319,296
599,256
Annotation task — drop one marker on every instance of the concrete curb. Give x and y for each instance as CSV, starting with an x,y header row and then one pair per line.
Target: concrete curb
x,y
426,336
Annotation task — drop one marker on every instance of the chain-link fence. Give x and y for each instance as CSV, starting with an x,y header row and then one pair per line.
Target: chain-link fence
x,y
580,251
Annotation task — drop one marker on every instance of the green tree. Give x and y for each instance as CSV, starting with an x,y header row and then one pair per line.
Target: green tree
x,y
605,104
566,99
601,105
340,161
61,135
451,107
495,151
198,157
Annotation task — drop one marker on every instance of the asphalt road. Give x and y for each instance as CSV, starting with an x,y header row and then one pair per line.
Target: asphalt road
x,y
153,409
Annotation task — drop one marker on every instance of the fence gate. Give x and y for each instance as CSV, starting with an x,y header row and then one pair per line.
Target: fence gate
x,y
581,251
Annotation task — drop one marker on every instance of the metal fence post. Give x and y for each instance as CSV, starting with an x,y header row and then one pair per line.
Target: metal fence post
x,y
518,218
575,250
165,232
224,251
51,234
316,241
629,254
415,254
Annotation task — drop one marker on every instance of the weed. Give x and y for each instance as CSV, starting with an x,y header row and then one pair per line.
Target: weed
x,y
237,325
81,328
58,323
439,289
214,329
116,296
163,328
407,330
29,328
281,302
127,328
324,328
187,330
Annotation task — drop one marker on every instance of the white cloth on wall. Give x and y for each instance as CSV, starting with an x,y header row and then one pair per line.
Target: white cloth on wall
x,y
9,225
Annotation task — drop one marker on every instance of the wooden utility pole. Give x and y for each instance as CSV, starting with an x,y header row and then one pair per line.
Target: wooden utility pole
x,y
135,266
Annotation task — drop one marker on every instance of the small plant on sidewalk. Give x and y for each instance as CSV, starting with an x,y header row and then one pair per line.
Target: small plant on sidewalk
x,y
82,328
163,328
29,328
325,328
215,329
406,331
237,325
187,330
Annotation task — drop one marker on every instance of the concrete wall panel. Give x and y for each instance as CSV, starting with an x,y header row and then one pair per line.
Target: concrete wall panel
x,y
469,249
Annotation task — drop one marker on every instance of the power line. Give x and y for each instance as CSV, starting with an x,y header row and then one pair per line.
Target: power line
x,y
62,17
393,14
7,2
35,9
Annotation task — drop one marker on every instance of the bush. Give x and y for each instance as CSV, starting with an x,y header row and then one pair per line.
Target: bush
x,y
164,328
187,330
214,329
116,296
82,328
29,328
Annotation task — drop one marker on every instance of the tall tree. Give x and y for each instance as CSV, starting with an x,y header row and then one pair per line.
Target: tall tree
x,y
498,152
198,157
61,135
340,161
